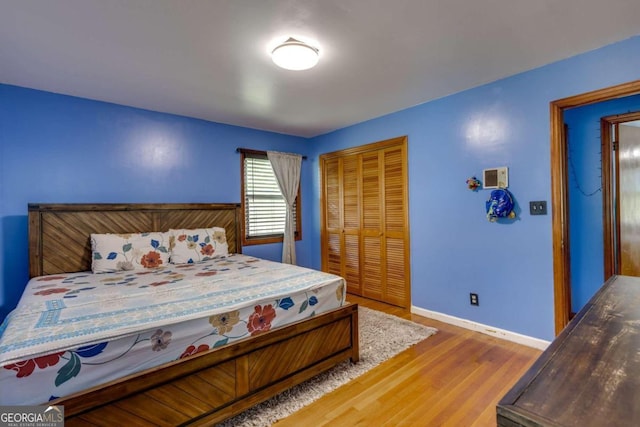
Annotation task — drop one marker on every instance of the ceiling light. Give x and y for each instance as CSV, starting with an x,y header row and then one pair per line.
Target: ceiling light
x,y
294,54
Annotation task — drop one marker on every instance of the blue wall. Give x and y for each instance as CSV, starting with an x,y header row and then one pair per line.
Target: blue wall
x,y
585,195
61,149
454,249
56,148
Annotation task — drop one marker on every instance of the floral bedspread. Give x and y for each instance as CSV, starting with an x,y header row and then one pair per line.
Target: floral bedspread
x,y
73,331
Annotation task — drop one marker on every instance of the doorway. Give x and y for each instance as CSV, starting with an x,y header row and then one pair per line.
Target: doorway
x,y
621,180
559,192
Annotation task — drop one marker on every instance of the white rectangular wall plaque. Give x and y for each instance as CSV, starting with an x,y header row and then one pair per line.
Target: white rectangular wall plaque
x,y
495,178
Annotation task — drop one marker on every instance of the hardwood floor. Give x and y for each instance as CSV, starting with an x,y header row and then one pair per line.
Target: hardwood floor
x,y
454,378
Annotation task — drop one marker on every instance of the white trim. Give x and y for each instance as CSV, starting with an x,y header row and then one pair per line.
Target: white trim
x,y
485,329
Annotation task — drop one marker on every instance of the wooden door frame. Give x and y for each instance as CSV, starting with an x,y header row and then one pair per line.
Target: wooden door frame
x,y
611,233
560,194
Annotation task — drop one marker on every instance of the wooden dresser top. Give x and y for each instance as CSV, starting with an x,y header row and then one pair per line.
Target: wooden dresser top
x,y
590,374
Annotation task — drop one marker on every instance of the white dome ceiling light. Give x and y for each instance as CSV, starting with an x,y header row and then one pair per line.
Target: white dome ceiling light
x,y
295,55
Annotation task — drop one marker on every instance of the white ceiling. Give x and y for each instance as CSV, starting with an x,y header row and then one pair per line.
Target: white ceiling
x,y
209,58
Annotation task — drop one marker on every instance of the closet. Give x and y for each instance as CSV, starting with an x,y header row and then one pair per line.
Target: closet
x,y
365,219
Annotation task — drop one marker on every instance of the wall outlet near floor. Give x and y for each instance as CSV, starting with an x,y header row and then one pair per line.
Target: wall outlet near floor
x,y
473,299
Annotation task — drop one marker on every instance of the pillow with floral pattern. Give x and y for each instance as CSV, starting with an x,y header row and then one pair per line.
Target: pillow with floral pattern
x,y
121,252
197,245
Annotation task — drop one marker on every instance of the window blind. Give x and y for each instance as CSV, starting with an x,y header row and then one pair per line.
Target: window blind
x,y
265,208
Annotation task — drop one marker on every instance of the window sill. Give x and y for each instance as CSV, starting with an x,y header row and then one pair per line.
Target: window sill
x,y
265,240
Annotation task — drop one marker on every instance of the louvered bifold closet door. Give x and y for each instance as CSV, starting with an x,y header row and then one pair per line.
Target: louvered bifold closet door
x,y
365,233
372,232
341,241
351,223
395,228
332,227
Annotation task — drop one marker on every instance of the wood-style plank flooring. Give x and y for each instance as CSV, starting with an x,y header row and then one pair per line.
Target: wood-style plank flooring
x,y
453,378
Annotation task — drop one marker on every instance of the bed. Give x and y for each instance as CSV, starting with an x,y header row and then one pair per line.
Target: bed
x,y
241,329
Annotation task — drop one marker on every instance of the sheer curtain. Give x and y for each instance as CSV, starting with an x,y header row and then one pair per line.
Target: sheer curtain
x,y
286,168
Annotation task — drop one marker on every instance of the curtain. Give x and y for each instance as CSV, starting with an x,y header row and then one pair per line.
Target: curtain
x,y
286,168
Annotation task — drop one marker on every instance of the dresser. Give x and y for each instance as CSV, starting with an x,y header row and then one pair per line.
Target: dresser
x,y
590,374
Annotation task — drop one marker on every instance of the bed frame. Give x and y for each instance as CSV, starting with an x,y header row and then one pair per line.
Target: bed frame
x,y
208,387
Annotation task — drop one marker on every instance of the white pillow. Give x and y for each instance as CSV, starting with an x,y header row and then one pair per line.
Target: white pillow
x,y
197,245
118,252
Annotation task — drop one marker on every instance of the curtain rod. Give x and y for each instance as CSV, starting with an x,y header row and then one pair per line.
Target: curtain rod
x,y
250,151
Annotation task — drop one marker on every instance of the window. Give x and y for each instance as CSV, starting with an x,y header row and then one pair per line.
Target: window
x,y
263,206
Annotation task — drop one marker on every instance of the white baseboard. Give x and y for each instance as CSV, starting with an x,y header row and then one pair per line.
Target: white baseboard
x,y
485,329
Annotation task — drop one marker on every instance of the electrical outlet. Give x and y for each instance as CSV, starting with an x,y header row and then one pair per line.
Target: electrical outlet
x,y
473,299
538,208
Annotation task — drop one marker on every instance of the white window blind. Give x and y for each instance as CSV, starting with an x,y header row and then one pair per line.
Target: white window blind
x,y
264,206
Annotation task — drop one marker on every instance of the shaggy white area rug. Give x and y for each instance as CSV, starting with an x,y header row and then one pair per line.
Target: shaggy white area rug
x,y
382,336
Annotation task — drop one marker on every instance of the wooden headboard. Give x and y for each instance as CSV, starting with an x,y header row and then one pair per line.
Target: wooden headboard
x,y
59,234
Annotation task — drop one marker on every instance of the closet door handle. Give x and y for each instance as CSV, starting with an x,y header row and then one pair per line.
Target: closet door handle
x,y
381,234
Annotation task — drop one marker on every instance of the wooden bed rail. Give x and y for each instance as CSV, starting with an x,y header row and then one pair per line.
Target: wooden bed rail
x,y
215,385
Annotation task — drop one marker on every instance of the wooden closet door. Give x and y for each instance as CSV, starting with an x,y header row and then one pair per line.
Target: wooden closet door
x,y
332,218
373,269
385,271
395,228
351,223
341,237
365,230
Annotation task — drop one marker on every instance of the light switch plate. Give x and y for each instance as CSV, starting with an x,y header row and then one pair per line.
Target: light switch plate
x,y
538,208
